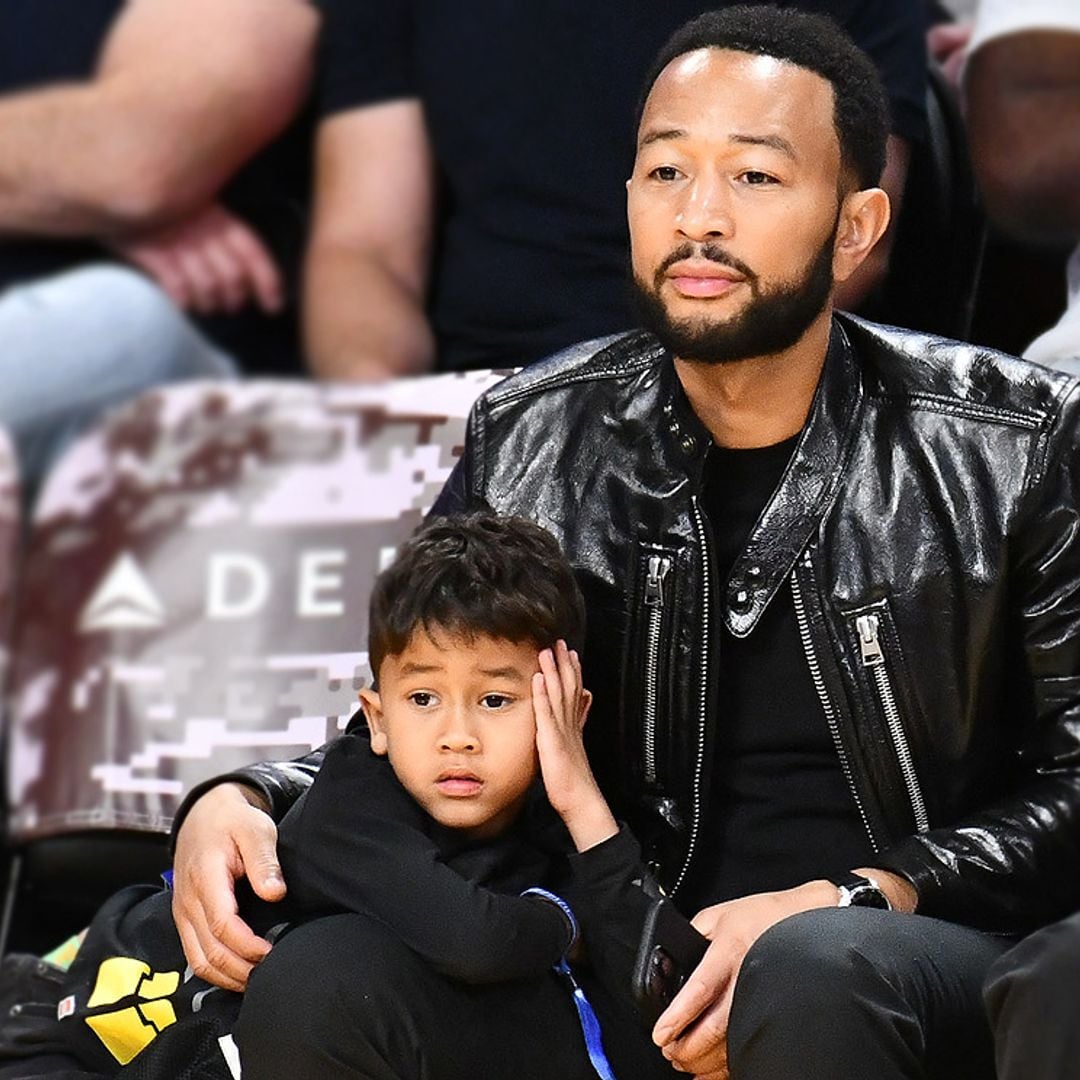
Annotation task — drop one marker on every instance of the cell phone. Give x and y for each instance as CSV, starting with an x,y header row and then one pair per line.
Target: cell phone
x,y
670,949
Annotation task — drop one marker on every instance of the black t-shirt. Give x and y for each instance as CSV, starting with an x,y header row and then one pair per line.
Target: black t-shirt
x,y
50,41
531,109
782,812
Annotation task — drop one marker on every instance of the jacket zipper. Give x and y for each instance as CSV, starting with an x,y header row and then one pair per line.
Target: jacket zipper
x,y
873,657
654,602
823,693
703,697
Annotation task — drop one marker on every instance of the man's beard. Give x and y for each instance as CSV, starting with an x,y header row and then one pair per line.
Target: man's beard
x,y
772,321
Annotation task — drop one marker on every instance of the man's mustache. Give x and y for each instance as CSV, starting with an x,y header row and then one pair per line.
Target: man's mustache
x,y
711,251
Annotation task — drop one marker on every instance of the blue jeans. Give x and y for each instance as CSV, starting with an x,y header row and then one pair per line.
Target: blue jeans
x,y
73,345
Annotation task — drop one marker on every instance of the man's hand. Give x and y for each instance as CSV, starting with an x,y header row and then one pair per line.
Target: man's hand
x,y
225,835
561,705
692,1031
209,262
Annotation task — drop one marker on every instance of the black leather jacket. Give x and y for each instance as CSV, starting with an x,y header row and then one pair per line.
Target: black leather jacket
x,y
928,528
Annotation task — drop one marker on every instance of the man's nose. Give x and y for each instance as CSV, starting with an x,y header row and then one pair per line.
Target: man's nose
x,y
705,212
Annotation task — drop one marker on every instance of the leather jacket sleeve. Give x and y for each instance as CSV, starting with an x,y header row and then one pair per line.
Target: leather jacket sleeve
x,y
1015,864
457,495
280,783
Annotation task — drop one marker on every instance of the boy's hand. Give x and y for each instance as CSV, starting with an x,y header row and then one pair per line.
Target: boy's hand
x,y
561,705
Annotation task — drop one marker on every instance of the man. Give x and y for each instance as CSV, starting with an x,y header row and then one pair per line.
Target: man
x,y
830,589
1022,87
527,112
149,158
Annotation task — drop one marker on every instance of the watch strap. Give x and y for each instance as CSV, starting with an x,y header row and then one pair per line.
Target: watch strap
x,y
858,890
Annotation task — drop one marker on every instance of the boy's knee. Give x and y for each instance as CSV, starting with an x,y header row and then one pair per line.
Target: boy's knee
x,y
331,989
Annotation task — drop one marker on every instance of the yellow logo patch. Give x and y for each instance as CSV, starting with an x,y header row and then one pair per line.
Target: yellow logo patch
x,y
129,1030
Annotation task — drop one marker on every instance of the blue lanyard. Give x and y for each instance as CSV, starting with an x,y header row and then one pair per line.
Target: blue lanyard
x,y
590,1026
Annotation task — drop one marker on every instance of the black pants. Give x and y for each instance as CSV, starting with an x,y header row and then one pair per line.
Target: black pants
x,y
828,995
1033,997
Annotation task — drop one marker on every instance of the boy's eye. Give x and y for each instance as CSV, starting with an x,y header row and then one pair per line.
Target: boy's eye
x,y
421,698
495,701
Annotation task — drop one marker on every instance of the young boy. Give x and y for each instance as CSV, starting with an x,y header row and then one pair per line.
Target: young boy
x,y
429,832
429,879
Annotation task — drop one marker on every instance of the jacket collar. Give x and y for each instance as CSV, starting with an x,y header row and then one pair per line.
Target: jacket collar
x,y
805,492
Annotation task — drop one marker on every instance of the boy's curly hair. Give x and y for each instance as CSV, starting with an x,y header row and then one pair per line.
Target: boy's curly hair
x,y
476,574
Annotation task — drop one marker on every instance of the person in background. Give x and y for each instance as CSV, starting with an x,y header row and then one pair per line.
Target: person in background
x,y
1022,90
161,135
1022,84
468,209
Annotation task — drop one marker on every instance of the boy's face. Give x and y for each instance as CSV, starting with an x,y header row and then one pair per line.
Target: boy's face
x,y
456,719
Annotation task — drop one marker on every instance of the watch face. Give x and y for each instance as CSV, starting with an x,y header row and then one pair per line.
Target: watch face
x,y
866,894
857,891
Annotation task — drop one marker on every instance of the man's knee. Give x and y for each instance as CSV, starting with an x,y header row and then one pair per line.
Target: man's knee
x,y
113,325
1037,975
813,969
821,952
149,332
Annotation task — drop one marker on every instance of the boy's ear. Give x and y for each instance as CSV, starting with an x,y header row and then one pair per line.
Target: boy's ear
x,y
372,706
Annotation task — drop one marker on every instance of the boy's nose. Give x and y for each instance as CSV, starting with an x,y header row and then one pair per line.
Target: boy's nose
x,y
459,736
460,743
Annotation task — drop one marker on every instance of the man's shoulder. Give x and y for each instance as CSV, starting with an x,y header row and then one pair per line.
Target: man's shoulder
x,y
604,365
927,371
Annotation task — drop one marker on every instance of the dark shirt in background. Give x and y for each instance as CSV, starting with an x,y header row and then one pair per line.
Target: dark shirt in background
x,y
50,41
531,109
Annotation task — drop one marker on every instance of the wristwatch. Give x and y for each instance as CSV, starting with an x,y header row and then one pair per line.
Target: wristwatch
x,y
859,891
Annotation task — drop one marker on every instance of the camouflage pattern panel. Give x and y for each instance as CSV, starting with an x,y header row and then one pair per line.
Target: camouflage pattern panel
x,y
195,592
9,542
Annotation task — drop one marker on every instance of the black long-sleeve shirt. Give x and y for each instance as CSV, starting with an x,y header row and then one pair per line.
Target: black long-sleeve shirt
x,y
357,841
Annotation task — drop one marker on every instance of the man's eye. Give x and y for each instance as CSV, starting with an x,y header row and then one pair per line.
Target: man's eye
x,y
665,173
421,698
755,178
495,701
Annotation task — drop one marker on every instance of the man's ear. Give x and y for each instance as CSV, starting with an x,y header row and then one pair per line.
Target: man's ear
x,y
372,706
864,217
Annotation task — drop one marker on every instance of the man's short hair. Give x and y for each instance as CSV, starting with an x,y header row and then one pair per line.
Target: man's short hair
x,y
476,574
814,42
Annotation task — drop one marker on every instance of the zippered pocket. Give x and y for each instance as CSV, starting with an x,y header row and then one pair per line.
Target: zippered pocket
x,y
646,677
657,569
879,657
